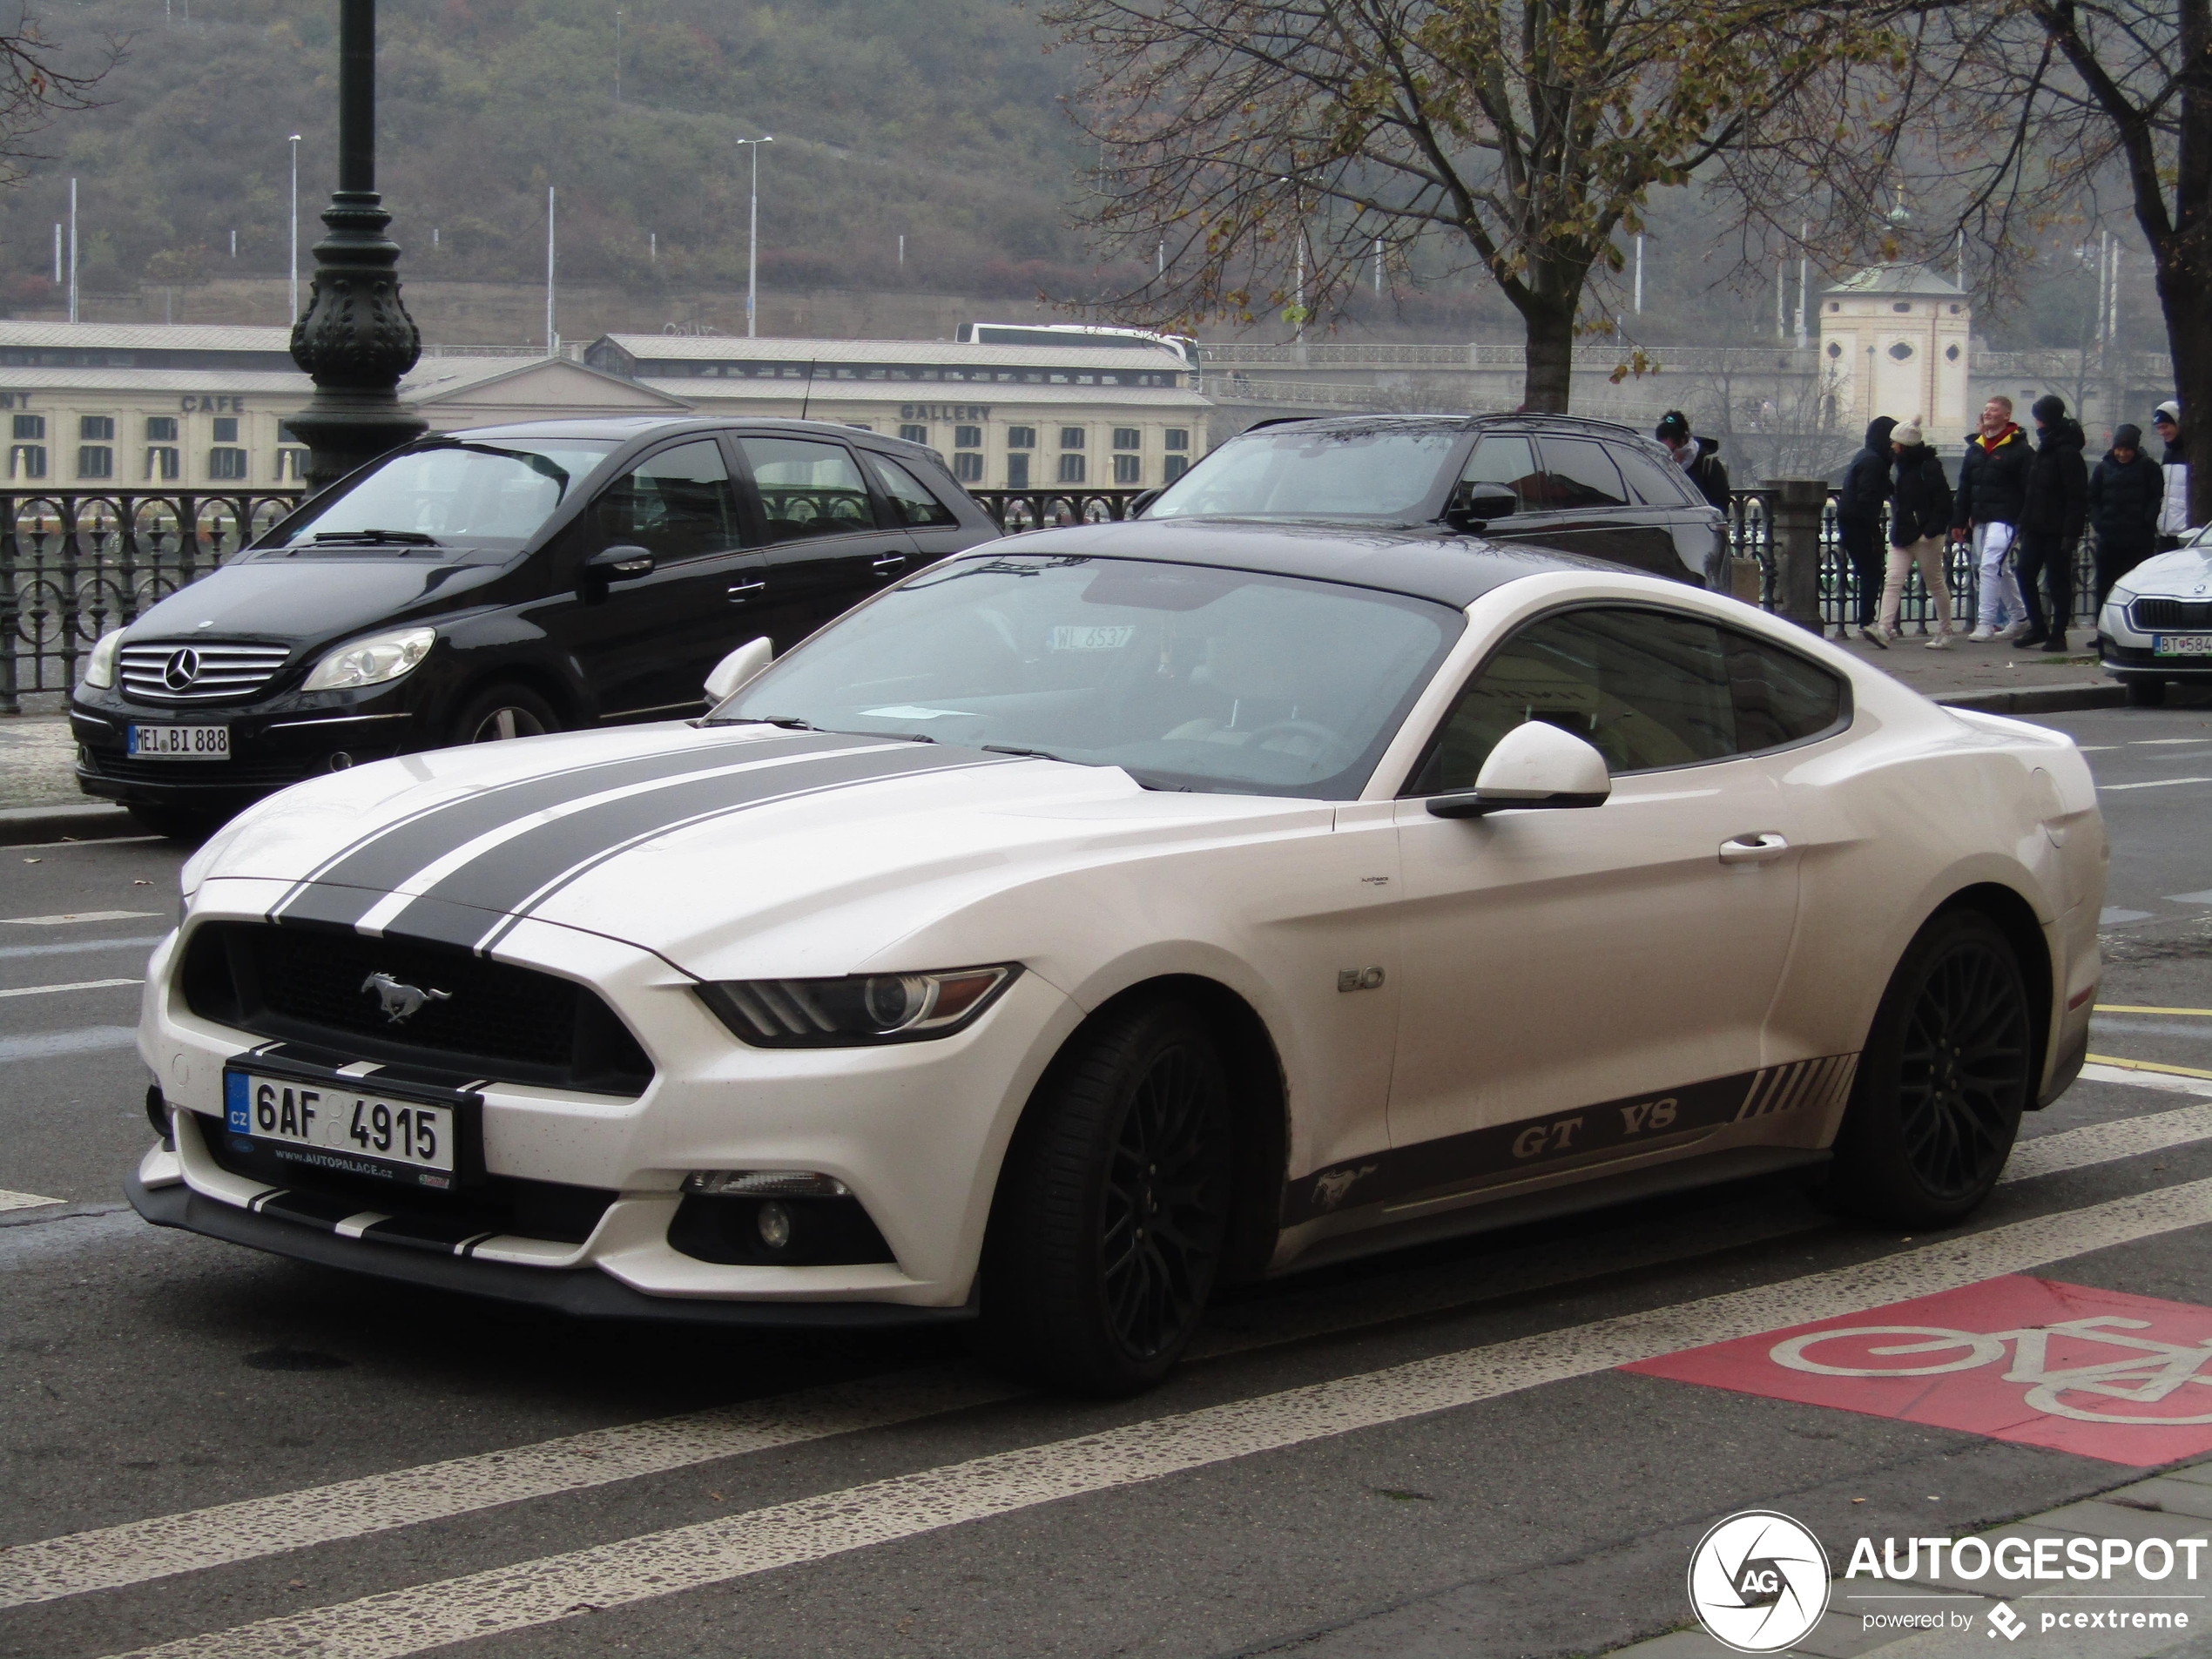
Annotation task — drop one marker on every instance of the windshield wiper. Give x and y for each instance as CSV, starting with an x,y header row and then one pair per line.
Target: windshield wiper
x,y
788,722
393,538
1033,754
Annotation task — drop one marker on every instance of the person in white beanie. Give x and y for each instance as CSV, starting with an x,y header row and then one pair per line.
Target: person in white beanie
x,y
2174,515
1920,512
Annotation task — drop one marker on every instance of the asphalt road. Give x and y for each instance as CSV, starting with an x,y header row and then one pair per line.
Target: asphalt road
x,y
1434,1453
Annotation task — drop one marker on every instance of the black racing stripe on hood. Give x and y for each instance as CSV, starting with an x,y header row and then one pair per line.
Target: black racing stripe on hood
x,y
341,890
511,876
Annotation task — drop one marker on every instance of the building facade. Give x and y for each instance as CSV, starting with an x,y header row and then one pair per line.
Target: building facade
x,y
1003,416
1894,340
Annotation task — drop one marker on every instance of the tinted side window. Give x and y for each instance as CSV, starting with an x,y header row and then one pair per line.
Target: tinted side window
x,y
1780,698
1578,473
1645,689
1656,483
807,487
910,497
1504,458
678,504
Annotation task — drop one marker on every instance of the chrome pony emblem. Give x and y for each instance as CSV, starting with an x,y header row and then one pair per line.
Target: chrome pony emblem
x,y
401,1002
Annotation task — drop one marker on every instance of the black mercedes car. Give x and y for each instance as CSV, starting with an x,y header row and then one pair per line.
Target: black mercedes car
x,y
502,583
1581,486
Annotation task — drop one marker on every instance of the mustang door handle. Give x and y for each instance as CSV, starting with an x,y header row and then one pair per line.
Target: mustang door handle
x,y
1756,849
741,592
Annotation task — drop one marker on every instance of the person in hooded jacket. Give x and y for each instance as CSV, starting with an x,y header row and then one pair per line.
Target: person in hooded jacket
x,y
1858,516
1919,511
2054,506
1992,480
2173,465
1698,457
2126,493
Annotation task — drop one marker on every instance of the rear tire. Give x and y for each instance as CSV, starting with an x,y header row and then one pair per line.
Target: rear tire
x,y
1113,1207
2146,694
1945,1074
178,823
502,712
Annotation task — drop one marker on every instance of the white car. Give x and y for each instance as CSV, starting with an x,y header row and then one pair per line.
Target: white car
x,y
2156,624
1122,911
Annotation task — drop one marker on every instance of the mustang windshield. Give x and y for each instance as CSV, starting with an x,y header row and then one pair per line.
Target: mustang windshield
x,y
480,496
1301,471
1191,677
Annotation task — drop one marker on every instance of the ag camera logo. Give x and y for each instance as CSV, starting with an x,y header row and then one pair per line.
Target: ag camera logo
x,y
1758,1582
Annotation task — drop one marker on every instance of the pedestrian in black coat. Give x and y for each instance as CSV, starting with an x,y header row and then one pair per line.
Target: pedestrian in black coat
x,y
1919,516
2126,492
2054,503
1858,516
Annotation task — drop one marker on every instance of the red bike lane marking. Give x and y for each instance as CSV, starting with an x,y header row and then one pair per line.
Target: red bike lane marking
x,y
2099,1373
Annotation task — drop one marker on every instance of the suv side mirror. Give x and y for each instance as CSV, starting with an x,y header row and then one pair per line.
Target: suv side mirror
x,y
1138,502
609,564
742,665
1472,505
1535,764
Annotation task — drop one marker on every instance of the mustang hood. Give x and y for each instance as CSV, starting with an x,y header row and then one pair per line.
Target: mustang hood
x,y
708,847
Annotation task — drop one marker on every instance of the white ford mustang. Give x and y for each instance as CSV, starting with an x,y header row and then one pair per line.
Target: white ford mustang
x,y
1122,911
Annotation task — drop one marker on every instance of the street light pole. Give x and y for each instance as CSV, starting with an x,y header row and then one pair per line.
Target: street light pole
x,y
295,227
752,234
356,338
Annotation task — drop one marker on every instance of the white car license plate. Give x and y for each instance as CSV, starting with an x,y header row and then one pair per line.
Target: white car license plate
x,y
2181,646
178,742
331,1126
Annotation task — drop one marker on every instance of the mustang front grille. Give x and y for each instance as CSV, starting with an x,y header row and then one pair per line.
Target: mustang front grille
x,y
458,1012
186,671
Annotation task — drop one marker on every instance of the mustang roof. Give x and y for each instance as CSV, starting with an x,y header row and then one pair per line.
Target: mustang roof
x,y
1454,570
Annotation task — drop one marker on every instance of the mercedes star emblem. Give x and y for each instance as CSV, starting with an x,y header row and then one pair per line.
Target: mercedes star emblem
x,y
181,670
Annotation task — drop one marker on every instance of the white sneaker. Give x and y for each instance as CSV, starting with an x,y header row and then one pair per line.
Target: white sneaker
x,y
1878,636
1941,642
2013,629
1982,635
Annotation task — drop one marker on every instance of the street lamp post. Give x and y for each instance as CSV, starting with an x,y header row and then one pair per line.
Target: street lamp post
x,y
752,235
356,338
295,228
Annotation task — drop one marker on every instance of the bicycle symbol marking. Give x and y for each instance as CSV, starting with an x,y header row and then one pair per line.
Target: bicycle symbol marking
x,y
2152,1372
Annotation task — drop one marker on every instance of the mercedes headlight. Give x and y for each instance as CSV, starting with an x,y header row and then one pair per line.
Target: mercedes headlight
x,y
371,661
858,1008
99,665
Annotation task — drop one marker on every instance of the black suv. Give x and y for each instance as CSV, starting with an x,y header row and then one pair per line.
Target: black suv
x,y
502,583
1589,486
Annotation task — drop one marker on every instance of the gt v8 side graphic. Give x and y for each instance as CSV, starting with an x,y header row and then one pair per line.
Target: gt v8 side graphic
x,y
987,958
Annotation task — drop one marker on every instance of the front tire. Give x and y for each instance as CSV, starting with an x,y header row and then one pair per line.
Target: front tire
x,y
1944,1079
505,710
2146,694
1112,1207
178,823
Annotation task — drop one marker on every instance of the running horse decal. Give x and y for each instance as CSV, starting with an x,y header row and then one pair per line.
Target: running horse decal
x,y
401,1002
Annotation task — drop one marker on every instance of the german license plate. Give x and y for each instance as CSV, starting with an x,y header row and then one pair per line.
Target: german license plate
x,y
178,742
329,1125
2181,645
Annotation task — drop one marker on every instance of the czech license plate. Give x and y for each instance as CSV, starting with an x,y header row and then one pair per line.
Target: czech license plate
x,y
330,1125
2181,646
178,742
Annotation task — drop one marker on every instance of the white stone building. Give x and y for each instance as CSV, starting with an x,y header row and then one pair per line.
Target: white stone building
x,y
1894,340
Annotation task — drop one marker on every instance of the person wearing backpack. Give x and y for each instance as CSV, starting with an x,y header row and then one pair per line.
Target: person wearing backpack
x,y
2053,507
1920,510
1858,516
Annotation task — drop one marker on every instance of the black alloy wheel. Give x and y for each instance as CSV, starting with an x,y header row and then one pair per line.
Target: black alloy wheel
x,y
1945,1074
503,711
1113,1206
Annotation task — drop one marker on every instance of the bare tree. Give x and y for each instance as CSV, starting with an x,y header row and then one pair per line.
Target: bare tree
x,y
36,84
1254,153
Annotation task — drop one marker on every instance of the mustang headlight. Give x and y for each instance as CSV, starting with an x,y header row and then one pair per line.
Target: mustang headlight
x,y
99,664
858,1008
371,661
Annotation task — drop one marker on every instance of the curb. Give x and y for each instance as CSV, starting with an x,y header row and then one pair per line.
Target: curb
x,y
74,822
2040,699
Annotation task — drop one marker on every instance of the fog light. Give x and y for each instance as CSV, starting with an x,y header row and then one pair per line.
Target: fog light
x,y
765,1183
775,1226
341,761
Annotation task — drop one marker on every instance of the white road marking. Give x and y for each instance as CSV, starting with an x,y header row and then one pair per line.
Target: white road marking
x,y
74,985
2113,915
2171,1084
2156,783
533,1593
72,918
2158,743
2202,895
78,947
193,1540
47,1045
25,1200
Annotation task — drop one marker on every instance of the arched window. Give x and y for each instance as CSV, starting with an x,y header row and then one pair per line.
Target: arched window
x,y
1901,351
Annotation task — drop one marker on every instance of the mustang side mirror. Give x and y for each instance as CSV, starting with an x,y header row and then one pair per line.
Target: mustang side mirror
x,y
1534,764
1472,505
740,665
609,564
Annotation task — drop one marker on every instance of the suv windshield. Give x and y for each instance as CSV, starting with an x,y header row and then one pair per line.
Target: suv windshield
x,y
1191,677
452,493
1336,471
